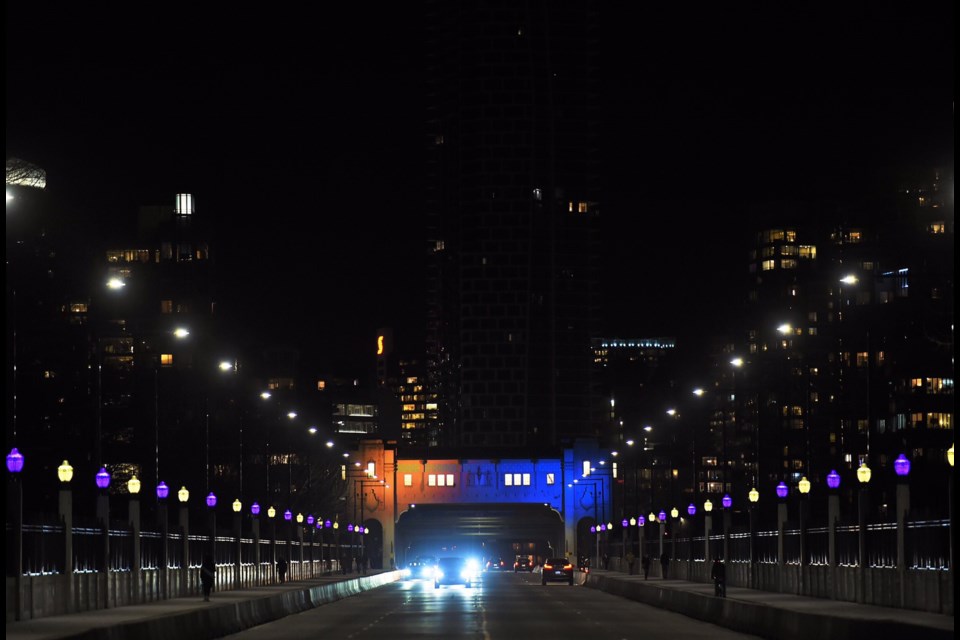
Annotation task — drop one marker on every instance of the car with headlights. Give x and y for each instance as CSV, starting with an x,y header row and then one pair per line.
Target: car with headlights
x,y
455,570
422,568
556,570
497,564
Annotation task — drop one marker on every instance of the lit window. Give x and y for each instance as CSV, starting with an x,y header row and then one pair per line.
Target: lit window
x,y
526,479
586,467
449,479
507,480
371,468
166,359
768,265
432,480
441,480
408,479
551,478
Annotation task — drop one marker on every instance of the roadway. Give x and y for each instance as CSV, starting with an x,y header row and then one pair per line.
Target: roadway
x,y
505,606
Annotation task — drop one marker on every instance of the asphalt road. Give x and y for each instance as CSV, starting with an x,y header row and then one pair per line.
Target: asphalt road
x,y
506,606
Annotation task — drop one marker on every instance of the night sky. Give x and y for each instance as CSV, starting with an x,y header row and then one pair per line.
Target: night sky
x,y
301,136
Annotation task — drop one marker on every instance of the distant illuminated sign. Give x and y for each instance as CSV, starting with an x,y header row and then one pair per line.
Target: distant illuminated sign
x,y
380,345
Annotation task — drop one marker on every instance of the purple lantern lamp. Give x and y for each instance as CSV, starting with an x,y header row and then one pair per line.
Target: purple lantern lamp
x,y
902,466
662,516
350,528
593,529
309,519
163,490
288,515
255,509
782,490
692,509
641,520
726,501
103,478
833,479
211,500
327,524
14,461
624,523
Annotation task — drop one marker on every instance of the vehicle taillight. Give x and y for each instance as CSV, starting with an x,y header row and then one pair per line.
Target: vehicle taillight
x,y
548,566
567,567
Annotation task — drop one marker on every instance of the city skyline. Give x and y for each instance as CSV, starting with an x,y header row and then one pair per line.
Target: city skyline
x,y
705,120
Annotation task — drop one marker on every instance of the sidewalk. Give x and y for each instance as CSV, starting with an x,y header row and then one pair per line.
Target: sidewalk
x,y
762,613
185,618
774,615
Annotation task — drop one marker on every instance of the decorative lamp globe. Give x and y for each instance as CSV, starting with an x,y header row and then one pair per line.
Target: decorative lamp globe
x,y
782,490
211,500
901,465
133,485
726,501
609,526
288,515
350,528
320,524
651,517
14,461
103,478
255,508
804,485
674,513
183,495
162,490
691,509
366,530
271,512
310,519
708,506
833,479
336,525
641,521
237,505
593,529
328,525
65,472
299,518
950,455
624,522
753,496
864,473
662,516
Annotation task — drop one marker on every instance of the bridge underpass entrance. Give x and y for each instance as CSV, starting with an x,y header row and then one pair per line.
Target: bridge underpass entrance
x,y
484,531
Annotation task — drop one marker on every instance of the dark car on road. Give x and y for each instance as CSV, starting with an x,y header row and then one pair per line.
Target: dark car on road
x,y
557,570
496,564
454,571
522,563
423,567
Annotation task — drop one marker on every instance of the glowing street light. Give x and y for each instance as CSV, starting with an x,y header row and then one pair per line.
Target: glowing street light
x,y
65,472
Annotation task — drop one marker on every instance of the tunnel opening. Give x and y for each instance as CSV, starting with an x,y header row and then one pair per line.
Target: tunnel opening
x,y
481,531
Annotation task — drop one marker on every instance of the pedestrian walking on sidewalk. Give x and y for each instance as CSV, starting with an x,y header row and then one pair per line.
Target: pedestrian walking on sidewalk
x,y
719,575
208,574
664,564
282,568
645,565
631,559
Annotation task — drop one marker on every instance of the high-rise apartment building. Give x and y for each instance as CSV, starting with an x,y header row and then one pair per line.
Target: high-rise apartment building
x,y
512,213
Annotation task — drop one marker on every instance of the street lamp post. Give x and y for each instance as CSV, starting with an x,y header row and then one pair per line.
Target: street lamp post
x,y
15,502
863,477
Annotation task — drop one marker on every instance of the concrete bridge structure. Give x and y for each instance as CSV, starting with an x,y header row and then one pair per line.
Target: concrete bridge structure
x,y
480,506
